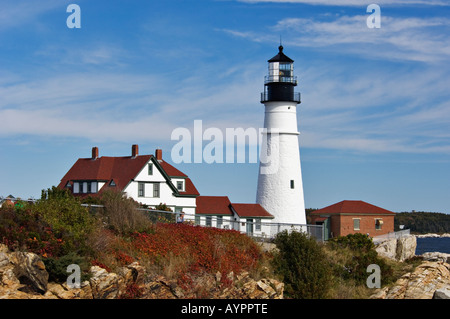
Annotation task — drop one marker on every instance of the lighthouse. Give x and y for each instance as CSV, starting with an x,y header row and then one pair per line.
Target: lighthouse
x,y
280,187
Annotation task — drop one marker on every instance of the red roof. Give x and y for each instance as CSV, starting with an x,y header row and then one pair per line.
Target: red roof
x,y
213,205
221,205
120,169
251,210
354,207
189,188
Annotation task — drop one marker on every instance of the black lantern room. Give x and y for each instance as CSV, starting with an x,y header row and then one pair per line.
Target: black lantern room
x,y
279,84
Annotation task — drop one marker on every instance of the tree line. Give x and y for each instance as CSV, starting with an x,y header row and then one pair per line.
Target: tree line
x,y
423,222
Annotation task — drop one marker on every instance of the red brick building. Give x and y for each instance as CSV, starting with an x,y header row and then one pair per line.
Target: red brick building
x,y
353,216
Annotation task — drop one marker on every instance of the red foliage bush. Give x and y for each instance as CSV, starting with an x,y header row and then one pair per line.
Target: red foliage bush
x,y
205,249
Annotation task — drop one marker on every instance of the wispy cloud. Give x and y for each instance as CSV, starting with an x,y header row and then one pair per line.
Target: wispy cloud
x,y
21,12
399,38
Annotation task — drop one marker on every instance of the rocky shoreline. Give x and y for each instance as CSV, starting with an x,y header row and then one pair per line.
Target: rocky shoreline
x,y
429,280
23,276
432,235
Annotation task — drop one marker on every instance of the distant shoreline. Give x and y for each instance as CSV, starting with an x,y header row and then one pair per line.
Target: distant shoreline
x,y
432,235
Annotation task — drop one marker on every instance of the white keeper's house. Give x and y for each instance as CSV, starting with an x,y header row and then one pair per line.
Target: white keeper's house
x,y
150,180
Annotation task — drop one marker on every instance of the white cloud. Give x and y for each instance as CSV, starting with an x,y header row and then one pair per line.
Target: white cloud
x,y
399,38
22,12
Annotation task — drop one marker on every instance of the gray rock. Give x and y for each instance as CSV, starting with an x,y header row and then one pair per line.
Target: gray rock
x,y
30,268
442,293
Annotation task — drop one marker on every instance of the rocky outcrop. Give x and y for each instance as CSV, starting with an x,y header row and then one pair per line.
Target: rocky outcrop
x,y
422,283
399,249
436,256
23,276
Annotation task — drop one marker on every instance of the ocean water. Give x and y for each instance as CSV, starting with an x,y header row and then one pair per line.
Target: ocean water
x,y
430,244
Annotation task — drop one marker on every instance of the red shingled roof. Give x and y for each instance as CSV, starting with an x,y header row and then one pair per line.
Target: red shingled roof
x,y
251,210
120,169
213,205
352,207
221,205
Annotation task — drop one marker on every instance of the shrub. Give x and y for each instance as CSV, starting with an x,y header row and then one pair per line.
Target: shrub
x,y
301,262
357,252
121,213
22,228
57,267
357,242
184,248
67,219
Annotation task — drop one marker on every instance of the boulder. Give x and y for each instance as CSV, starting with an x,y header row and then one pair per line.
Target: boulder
x,y
387,248
29,269
399,249
442,293
104,285
406,247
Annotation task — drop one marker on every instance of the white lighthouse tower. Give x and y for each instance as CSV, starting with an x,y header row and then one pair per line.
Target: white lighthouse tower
x,y
280,187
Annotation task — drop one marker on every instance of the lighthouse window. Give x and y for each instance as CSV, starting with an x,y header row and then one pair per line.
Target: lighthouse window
x,y
292,184
285,69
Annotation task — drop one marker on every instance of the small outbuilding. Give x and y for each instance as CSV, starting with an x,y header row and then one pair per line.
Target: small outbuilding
x,y
351,217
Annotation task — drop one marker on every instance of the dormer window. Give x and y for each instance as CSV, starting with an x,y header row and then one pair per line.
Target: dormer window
x,y
180,185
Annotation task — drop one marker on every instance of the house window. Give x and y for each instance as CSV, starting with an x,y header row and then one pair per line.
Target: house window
x,y
219,221
356,222
76,187
292,184
180,185
88,187
208,221
141,189
257,224
378,224
68,184
112,184
197,220
150,169
156,190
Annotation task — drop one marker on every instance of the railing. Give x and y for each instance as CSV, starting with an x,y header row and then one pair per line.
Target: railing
x,y
296,97
256,228
280,78
397,234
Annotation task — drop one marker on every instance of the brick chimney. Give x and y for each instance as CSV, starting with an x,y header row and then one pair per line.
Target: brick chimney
x,y
134,150
95,153
158,154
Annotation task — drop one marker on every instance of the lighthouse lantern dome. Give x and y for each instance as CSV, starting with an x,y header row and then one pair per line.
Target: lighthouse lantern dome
x,y
281,68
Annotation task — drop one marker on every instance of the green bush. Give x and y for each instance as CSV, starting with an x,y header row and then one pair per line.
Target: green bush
x,y
360,252
301,262
357,242
67,218
57,267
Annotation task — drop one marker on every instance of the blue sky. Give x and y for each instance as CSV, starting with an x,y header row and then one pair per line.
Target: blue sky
x,y
375,112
